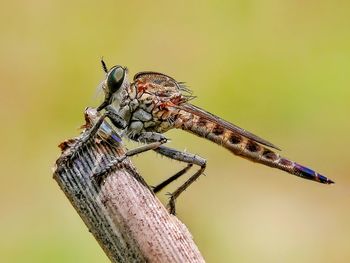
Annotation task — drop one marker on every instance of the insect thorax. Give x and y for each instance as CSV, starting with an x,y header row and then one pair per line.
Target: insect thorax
x,y
143,112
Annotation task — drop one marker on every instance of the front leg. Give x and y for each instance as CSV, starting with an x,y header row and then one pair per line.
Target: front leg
x,y
112,115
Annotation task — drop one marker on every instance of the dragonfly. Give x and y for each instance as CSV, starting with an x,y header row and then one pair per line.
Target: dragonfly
x,y
153,103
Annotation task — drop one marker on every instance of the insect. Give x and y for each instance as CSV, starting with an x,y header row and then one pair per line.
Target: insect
x,y
155,103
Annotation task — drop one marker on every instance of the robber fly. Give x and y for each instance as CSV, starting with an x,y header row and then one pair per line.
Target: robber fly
x,y
155,103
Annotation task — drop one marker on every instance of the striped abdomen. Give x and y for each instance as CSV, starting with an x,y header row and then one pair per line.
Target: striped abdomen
x,y
242,146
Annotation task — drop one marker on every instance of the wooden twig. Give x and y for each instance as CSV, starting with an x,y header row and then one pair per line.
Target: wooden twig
x,y
123,214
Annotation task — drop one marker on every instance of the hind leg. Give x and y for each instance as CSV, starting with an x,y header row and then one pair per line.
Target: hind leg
x,y
189,158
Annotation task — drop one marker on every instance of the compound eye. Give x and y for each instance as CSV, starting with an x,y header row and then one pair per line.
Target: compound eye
x,y
115,79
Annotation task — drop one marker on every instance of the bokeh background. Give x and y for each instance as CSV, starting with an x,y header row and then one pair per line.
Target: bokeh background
x,y
278,68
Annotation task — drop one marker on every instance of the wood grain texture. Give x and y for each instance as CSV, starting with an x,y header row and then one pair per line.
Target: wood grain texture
x,y
120,210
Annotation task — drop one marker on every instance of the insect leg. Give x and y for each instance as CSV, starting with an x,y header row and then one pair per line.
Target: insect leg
x,y
148,137
183,157
171,179
115,118
155,139
111,114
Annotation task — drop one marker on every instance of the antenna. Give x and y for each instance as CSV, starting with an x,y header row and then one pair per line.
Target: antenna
x,y
104,66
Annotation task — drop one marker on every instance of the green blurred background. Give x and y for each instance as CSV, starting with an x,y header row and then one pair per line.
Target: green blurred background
x,y
278,68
